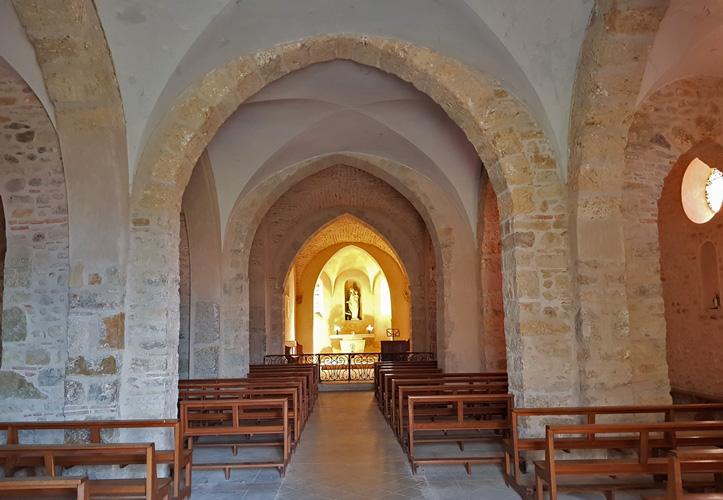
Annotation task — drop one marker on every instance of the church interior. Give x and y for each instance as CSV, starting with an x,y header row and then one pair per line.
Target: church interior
x,y
346,249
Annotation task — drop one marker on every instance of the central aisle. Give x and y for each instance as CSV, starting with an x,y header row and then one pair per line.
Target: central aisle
x,y
347,451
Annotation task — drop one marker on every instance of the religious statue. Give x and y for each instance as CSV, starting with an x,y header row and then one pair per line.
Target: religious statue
x,y
352,311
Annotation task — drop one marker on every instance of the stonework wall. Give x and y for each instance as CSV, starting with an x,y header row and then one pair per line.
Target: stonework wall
x,y
673,125
33,381
200,207
493,318
304,210
695,330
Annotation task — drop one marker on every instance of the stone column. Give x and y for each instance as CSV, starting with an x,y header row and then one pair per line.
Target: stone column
x,y
80,78
612,61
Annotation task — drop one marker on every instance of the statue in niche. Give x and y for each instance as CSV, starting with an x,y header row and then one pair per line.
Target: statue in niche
x,y
352,309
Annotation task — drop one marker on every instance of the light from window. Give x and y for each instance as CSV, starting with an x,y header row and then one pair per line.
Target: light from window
x,y
319,298
714,190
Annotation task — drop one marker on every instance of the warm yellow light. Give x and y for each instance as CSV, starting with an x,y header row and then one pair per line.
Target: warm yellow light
x,y
385,298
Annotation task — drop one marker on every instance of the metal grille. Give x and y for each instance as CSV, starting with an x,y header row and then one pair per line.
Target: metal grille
x,y
346,367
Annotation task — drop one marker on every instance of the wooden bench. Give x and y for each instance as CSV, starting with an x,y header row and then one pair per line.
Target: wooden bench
x,y
179,458
642,440
463,417
679,462
59,487
387,373
313,367
400,414
308,371
517,445
397,381
51,457
291,394
237,418
399,364
298,382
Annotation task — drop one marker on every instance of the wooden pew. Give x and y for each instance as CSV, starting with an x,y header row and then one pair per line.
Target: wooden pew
x,y
516,445
179,458
456,386
642,439
396,381
463,417
291,394
308,371
679,461
388,373
399,364
314,367
31,487
262,417
298,382
51,457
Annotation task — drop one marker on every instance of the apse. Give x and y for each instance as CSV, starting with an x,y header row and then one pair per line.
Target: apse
x,y
347,290
352,308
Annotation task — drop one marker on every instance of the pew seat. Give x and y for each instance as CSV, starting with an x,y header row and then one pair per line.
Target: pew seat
x,y
59,488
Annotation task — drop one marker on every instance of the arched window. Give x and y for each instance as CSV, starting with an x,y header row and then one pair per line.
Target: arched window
x,y
319,298
701,191
714,190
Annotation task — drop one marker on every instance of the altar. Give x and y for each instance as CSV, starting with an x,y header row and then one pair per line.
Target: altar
x,y
352,342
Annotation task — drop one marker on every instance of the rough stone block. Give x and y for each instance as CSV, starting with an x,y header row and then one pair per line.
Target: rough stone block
x,y
14,385
81,366
50,377
14,325
207,323
37,356
206,362
114,331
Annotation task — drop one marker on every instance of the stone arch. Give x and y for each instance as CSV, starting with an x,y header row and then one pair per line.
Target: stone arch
x,y
403,230
33,379
510,143
672,125
388,260
78,73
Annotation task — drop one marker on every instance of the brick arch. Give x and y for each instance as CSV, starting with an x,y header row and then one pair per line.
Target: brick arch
x,y
452,240
674,123
33,378
343,231
512,146
296,217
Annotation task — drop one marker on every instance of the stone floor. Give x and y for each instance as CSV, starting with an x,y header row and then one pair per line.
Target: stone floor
x,y
347,451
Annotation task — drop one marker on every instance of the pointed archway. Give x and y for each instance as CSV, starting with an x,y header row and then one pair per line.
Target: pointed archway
x,y
315,282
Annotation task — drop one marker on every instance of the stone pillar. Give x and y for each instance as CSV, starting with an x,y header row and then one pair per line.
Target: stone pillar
x,y
79,75
35,266
612,61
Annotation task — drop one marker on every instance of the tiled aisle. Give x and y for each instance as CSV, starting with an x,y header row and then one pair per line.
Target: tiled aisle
x,y
347,451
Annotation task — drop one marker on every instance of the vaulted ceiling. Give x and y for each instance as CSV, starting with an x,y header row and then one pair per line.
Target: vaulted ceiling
x,y
532,47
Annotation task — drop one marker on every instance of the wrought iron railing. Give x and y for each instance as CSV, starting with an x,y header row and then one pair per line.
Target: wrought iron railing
x,y
346,367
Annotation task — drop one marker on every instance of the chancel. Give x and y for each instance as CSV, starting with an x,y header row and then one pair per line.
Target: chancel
x,y
361,249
